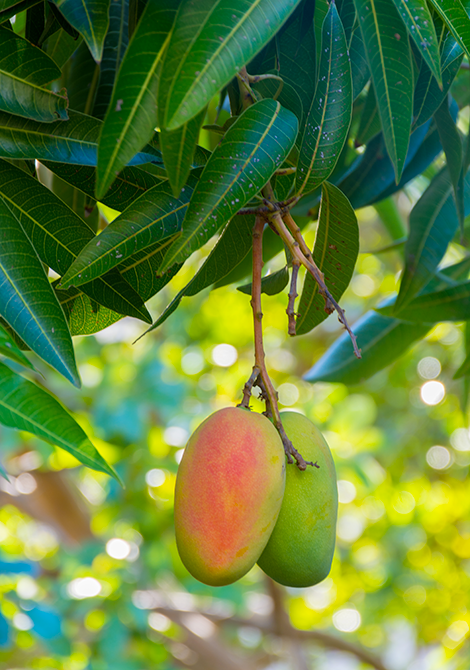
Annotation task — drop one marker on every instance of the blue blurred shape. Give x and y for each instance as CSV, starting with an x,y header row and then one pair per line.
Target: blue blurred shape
x,y
8,567
46,622
4,631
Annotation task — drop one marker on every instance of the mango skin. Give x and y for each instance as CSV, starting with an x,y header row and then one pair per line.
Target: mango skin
x,y
229,491
300,550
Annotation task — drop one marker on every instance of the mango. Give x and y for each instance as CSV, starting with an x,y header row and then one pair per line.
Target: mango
x,y
229,490
300,549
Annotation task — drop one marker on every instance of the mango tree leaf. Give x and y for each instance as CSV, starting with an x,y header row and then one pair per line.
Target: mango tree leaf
x,y
27,301
452,145
74,141
347,12
178,147
388,54
115,44
155,217
132,113
288,97
58,235
209,44
127,187
455,16
369,124
60,46
359,66
24,70
428,96
271,284
335,253
9,348
254,147
464,369
381,339
25,406
449,304
90,18
418,21
232,247
330,113
84,315
433,224
321,11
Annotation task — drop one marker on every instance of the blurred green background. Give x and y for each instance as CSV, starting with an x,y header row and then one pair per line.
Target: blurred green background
x,y
89,573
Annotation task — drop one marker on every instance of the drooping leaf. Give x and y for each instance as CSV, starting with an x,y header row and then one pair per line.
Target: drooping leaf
x,y
178,147
84,315
74,141
25,406
388,54
428,96
90,18
369,125
359,66
418,21
449,304
330,113
271,284
132,113
232,247
9,348
27,301
58,235
115,45
452,145
456,18
209,44
433,224
155,217
254,147
347,12
335,254
24,70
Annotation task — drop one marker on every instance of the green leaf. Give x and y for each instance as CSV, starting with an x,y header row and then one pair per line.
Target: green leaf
x,y
388,54
155,217
335,254
288,97
25,406
455,16
84,315
58,235
178,147
271,284
254,147
359,66
115,45
418,21
9,349
73,141
90,18
132,113
232,247
209,44
127,187
428,97
27,301
347,12
330,113
369,124
433,224
452,145
60,46
13,8
24,70
464,369
449,304
319,16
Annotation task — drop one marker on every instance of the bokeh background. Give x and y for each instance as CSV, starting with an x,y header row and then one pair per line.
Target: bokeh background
x,y
89,573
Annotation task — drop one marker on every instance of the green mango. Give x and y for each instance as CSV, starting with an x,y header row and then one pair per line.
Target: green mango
x,y
300,549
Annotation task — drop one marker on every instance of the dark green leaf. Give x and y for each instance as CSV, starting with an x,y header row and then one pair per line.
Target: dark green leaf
x,y
455,16
90,18
81,80
58,235
288,97
60,46
321,10
388,54
452,145
74,141
13,8
450,304
251,151
369,125
155,217
209,44
335,254
24,70
27,301
418,20
347,12
25,406
132,113
359,67
272,284
178,147
115,45
330,113
9,348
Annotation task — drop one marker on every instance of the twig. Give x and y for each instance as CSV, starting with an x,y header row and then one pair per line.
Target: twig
x,y
259,349
247,388
292,296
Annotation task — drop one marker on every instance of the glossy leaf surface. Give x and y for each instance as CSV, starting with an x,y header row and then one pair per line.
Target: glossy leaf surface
x,y
178,147
90,18
456,18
